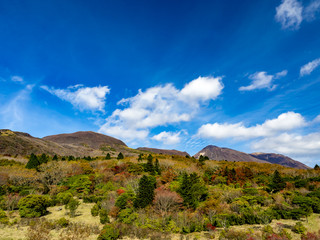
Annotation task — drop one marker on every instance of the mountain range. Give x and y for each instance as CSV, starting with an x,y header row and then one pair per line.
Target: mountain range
x,y
87,143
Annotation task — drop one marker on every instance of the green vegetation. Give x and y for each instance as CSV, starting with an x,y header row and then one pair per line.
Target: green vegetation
x,y
153,196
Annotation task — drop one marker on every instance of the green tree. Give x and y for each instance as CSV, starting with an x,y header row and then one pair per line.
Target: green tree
x,y
277,182
192,190
33,206
104,217
145,194
108,156
55,157
33,162
140,157
43,158
157,167
72,205
149,164
316,167
109,232
120,156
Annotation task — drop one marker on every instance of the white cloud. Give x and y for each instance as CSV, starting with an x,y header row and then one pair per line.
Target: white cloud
x,y
284,122
261,80
83,98
311,10
309,67
16,79
160,106
291,144
289,14
202,89
168,138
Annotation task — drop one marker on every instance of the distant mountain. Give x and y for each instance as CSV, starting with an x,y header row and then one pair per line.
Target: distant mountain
x,y
77,144
164,151
217,153
280,159
87,139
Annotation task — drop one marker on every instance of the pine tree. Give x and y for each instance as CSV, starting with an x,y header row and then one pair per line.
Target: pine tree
x,y
149,165
55,157
316,167
145,194
43,158
120,156
277,183
157,167
33,162
108,156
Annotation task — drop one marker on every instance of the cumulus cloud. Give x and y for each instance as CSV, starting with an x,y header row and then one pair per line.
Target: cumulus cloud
x,y
202,89
261,80
160,106
291,144
168,138
309,67
82,98
291,13
284,122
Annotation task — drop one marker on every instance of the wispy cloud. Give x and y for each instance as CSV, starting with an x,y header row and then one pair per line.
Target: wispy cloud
x,y
160,106
82,98
291,13
262,80
16,79
309,67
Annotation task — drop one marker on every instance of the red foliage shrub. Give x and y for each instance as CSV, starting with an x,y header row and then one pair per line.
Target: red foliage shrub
x,y
120,191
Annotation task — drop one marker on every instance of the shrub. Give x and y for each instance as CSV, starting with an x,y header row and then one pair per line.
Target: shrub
x,y
95,210
33,206
104,218
166,201
64,197
109,232
3,217
72,205
299,228
62,222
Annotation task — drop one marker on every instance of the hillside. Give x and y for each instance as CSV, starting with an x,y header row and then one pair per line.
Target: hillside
x,y
164,151
217,153
76,144
87,138
279,159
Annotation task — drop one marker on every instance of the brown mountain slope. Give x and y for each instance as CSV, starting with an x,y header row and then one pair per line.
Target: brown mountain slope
x,y
77,144
163,151
280,159
18,143
217,153
88,139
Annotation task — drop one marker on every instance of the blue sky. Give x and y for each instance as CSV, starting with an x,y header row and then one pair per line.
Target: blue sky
x,y
166,74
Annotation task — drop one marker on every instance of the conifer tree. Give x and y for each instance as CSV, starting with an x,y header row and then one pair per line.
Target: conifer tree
x,y
149,165
277,183
33,162
108,156
55,157
157,167
316,167
43,158
145,192
120,156
140,157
